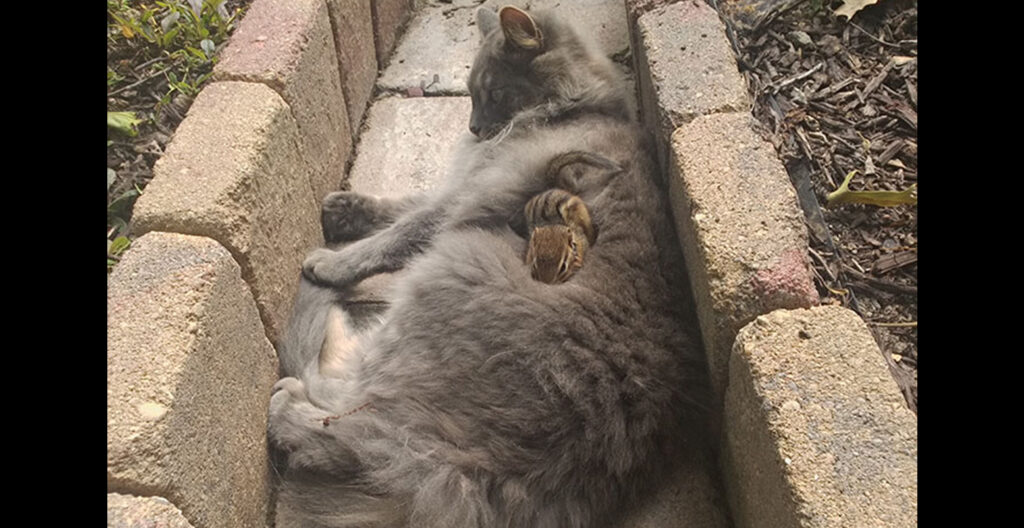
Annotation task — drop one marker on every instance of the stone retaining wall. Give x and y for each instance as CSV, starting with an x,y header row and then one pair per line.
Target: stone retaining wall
x,y
810,428
813,429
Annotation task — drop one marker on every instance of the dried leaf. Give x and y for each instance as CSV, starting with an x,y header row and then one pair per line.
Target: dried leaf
x,y
880,198
850,7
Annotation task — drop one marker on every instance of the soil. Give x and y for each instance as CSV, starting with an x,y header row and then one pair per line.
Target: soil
x,y
837,95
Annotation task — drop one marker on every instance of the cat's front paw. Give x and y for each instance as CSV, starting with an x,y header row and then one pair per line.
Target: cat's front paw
x,y
328,267
347,215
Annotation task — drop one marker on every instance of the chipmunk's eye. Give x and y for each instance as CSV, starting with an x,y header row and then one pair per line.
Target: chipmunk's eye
x,y
498,95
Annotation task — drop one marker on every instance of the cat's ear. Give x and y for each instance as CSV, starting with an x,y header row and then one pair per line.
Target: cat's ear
x,y
520,29
486,20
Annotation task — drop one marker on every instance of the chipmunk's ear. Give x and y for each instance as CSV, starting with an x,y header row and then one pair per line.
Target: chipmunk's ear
x,y
520,29
486,21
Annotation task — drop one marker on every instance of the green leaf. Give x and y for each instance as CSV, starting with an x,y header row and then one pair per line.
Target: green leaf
x,y
123,122
119,207
168,38
111,176
208,46
118,246
197,52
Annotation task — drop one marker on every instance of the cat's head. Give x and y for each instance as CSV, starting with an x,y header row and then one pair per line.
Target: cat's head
x,y
533,61
554,253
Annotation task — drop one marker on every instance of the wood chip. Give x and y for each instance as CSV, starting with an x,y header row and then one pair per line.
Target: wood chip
x,y
891,261
877,80
890,152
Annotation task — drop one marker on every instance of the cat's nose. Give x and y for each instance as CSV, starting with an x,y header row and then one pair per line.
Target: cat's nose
x,y
474,129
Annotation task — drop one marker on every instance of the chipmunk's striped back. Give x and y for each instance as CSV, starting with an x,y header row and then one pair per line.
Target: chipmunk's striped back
x,y
561,232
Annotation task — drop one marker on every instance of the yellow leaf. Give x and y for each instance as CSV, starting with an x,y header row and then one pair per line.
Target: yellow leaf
x,y
850,7
127,31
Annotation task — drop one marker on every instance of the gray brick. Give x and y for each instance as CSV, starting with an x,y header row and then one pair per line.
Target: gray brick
x,y
408,143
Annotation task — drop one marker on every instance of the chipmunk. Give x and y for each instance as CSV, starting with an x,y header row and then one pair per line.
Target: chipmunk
x,y
561,233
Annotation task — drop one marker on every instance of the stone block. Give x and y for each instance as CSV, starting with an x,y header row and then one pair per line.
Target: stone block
x,y
126,511
408,144
389,19
352,21
442,40
740,228
234,172
816,432
686,68
289,46
189,372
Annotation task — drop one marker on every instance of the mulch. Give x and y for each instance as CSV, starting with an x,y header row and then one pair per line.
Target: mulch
x,y
833,96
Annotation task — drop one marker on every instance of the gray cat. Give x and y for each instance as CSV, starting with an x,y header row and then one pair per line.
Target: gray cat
x,y
484,398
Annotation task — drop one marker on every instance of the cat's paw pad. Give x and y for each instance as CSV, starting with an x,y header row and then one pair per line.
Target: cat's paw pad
x,y
347,215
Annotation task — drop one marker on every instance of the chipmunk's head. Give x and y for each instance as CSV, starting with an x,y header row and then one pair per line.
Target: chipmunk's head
x,y
534,60
555,253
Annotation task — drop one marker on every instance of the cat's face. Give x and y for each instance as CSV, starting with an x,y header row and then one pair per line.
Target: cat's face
x,y
503,81
554,253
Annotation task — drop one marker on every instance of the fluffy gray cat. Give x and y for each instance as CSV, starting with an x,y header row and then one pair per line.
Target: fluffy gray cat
x,y
481,397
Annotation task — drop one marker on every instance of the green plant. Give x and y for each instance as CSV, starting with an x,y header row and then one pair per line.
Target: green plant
x,y
185,33
123,122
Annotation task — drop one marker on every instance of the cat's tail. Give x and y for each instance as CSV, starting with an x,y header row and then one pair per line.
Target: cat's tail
x,y
306,329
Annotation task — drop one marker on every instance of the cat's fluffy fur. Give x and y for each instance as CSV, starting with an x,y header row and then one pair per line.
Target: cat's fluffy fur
x,y
484,398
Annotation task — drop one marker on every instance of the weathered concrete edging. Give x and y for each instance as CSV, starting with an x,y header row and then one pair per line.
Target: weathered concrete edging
x,y
814,431
188,373
818,433
189,362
